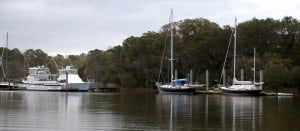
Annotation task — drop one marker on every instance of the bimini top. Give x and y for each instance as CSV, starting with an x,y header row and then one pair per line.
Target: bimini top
x,y
179,81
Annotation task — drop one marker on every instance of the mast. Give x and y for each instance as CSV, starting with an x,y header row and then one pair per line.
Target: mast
x,y
234,48
254,66
6,54
171,59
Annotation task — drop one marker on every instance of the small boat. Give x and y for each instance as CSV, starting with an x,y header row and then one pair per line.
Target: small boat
x,y
70,80
175,85
241,87
39,79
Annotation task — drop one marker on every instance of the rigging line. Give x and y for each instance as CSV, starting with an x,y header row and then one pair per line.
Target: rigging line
x,y
226,56
25,60
55,64
1,60
162,58
70,61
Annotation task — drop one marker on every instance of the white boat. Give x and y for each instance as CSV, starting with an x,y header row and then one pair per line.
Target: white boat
x,y
241,87
70,80
175,85
39,78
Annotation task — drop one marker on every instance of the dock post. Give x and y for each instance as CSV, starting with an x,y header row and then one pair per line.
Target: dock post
x,y
242,74
67,79
261,78
191,76
207,83
224,77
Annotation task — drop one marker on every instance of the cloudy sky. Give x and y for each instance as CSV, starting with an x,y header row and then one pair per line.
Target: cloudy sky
x,y
76,26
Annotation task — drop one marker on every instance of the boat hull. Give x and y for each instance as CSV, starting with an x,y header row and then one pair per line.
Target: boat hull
x,y
253,92
169,89
42,87
81,87
177,91
77,86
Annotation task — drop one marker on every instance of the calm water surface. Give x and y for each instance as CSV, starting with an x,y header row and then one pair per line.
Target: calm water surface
x,y
28,110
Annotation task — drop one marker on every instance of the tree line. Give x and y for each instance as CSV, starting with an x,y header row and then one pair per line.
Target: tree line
x,y
199,45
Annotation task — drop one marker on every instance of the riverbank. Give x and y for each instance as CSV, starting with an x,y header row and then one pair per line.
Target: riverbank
x,y
12,88
282,92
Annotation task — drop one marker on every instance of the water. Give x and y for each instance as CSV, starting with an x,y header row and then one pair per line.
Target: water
x,y
28,110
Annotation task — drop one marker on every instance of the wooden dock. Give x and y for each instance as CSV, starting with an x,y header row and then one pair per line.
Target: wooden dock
x,y
104,88
208,92
216,92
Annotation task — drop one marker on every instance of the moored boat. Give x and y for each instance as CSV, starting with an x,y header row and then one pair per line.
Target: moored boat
x,y
39,78
70,80
175,85
241,87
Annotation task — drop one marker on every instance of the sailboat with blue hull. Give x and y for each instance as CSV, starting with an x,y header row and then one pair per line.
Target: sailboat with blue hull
x,y
175,85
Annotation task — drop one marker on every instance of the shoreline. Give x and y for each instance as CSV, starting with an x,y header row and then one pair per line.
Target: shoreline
x,y
284,92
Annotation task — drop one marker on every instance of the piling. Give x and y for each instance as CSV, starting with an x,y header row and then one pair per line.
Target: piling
x,y
261,78
242,74
224,77
191,76
207,82
67,79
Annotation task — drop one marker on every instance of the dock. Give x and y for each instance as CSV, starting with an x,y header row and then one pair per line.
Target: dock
x,y
104,88
278,94
12,88
208,92
217,92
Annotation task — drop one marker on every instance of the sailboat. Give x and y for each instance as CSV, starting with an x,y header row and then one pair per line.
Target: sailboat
x,y
175,85
241,87
5,83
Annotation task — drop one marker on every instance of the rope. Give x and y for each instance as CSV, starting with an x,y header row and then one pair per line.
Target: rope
x,y
226,57
162,58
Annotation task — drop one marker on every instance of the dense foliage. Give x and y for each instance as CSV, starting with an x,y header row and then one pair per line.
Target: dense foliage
x,y
199,45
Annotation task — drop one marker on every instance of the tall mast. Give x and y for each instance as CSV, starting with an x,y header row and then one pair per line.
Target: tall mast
x,y
254,66
171,30
6,55
234,48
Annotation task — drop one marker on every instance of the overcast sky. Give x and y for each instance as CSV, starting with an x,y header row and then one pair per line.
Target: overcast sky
x,y
76,26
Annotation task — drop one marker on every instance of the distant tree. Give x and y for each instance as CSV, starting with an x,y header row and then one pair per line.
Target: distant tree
x,y
95,66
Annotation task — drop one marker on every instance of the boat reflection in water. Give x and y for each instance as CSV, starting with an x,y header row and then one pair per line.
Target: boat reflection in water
x,y
54,110
246,112
181,112
175,112
30,110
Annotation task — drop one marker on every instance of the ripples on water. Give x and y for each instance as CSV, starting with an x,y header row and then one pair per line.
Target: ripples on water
x,y
28,110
